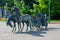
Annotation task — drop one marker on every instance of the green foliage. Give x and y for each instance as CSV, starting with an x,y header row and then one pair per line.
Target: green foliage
x,y
2,3
55,7
9,4
41,8
20,4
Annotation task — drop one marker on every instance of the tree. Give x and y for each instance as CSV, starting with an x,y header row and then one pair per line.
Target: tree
x,y
55,8
2,3
9,4
42,7
29,3
26,6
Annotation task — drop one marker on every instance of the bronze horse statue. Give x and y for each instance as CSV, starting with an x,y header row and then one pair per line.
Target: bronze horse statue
x,y
19,19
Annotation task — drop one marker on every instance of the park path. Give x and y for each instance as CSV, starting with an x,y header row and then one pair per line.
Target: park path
x,y
53,33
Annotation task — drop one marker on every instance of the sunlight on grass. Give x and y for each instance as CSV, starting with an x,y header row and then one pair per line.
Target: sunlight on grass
x,y
55,21
3,19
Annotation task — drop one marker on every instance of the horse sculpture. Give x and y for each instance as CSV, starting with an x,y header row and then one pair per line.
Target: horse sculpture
x,y
36,21
44,21
23,19
43,18
26,18
19,19
14,19
39,21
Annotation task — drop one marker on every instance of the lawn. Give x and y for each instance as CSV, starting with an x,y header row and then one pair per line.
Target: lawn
x,y
55,21
2,19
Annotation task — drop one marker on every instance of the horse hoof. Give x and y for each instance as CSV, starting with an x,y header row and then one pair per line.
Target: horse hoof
x,y
12,31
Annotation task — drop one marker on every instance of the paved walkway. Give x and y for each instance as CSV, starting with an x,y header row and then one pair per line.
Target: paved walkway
x,y
53,33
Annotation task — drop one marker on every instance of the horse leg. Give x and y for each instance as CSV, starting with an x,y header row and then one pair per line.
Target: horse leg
x,y
23,25
19,27
14,27
27,26
46,25
30,24
39,26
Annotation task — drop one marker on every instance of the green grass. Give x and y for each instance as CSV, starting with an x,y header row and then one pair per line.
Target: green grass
x,y
55,21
